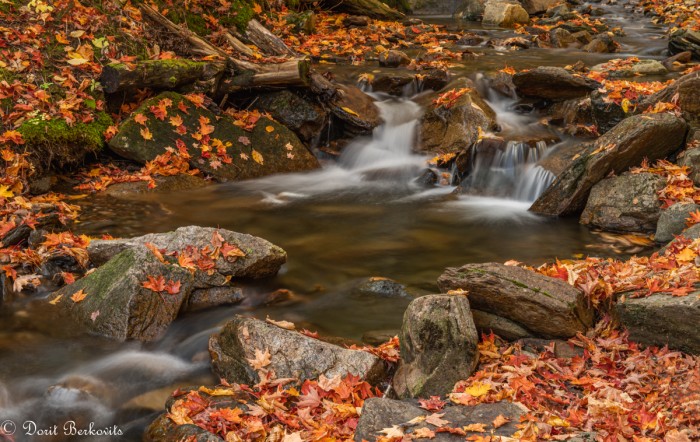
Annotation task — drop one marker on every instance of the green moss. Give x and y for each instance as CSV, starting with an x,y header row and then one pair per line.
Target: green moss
x,y
6,75
239,15
401,5
54,143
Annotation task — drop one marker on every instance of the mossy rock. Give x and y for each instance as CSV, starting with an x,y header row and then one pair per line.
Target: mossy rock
x,y
192,15
267,149
55,144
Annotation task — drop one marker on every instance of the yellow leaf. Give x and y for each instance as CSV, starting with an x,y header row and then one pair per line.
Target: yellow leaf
x,y
5,192
478,389
626,105
55,300
686,255
257,157
78,296
270,129
217,391
77,61
77,34
350,111
557,422
257,8
146,134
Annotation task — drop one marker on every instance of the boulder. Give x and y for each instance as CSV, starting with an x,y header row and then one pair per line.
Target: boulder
x,y
116,305
438,346
355,110
454,126
201,299
504,13
685,92
402,83
683,40
534,7
662,319
606,114
638,68
561,38
164,184
393,59
546,307
625,203
602,44
379,413
383,287
505,328
651,136
552,83
291,354
262,258
229,153
472,10
672,221
691,159
299,113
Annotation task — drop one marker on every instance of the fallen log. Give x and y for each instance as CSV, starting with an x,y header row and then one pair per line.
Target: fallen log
x,y
371,8
238,45
157,74
269,43
250,76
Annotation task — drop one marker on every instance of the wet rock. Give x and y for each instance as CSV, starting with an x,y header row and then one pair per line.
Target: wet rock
x,y
504,13
626,203
684,40
682,58
685,92
639,68
402,83
552,83
673,221
355,110
602,43
572,112
291,354
557,10
502,327
546,307
379,413
201,299
534,7
691,159
384,287
116,305
561,38
301,114
606,115
651,136
427,179
378,337
393,59
470,39
262,258
280,149
471,10
502,82
164,184
662,319
438,346
455,127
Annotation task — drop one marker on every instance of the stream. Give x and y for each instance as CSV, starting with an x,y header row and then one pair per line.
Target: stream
x,y
364,216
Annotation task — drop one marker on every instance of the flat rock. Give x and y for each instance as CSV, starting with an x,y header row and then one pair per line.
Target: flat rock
x,y
438,346
291,354
639,68
672,221
544,306
262,258
379,413
626,203
651,136
552,83
662,319
116,305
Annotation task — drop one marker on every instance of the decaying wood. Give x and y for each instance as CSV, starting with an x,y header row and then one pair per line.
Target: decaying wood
x,y
290,73
238,45
269,43
371,8
157,74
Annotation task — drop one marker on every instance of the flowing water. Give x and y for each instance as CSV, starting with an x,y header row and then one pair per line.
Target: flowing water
x,y
362,216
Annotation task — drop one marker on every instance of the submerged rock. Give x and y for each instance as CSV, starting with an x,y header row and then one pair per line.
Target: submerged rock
x,y
291,354
552,83
627,203
650,136
438,346
268,148
544,306
662,319
379,414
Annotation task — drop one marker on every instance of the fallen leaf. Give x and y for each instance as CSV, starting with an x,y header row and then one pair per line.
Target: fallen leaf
x,y
281,324
261,360
78,296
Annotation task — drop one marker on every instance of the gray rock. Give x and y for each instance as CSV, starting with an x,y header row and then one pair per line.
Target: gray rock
x,y
552,83
534,7
470,10
505,328
546,307
438,346
662,319
262,258
378,337
291,354
379,413
683,40
393,59
651,136
685,92
117,306
691,159
355,109
640,68
602,44
626,203
380,286
561,38
504,13
164,184
673,221
201,299
302,115
454,128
